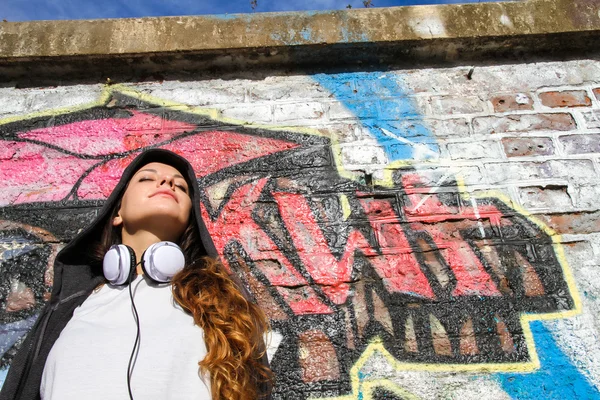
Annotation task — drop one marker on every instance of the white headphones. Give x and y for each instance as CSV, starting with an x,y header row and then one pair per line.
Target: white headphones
x,y
160,262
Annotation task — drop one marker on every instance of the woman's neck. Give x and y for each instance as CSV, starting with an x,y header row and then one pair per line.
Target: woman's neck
x,y
139,242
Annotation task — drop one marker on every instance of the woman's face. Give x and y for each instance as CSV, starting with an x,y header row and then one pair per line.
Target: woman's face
x,y
156,198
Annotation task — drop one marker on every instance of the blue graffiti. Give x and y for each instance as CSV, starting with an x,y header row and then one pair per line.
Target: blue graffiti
x,y
387,110
557,377
3,373
11,332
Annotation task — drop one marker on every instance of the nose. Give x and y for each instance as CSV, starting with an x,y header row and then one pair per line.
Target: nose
x,y
168,180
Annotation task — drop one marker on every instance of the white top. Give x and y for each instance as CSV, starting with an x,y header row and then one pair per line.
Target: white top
x,y
89,360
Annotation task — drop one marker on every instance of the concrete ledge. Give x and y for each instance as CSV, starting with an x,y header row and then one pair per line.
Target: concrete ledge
x,y
442,32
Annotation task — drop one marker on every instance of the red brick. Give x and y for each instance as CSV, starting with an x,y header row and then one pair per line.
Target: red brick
x,y
20,298
529,146
524,123
567,98
318,359
597,93
512,102
573,223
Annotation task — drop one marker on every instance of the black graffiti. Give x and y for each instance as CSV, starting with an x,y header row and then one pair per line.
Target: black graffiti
x,y
447,328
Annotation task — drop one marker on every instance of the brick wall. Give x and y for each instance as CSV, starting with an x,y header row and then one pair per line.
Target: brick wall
x,y
415,233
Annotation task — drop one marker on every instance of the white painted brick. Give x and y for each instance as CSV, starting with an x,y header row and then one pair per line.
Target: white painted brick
x,y
298,111
543,198
248,113
474,150
361,109
456,105
362,154
576,171
497,78
13,101
586,197
197,94
523,123
580,251
499,173
458,127
346,132
61,97
286,89
592,119
422,105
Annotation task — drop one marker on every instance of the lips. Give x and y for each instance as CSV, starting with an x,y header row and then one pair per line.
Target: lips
x,y
165,192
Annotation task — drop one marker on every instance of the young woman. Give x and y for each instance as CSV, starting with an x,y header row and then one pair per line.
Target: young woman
x,y
112,330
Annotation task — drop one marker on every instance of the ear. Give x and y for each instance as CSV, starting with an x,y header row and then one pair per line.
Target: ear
x,y
117,220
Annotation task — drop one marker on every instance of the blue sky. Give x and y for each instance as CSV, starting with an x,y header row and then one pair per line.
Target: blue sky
x,y
24,10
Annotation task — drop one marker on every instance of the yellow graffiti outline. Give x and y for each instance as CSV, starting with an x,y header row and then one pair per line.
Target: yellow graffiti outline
x,y
374,345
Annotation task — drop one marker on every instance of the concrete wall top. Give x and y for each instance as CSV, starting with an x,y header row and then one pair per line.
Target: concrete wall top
x,y
442,31
375,25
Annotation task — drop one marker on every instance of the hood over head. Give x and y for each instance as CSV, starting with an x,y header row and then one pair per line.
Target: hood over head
x,y
77,257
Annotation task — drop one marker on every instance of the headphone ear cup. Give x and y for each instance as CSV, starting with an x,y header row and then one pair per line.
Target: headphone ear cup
x,y
162,261
119,264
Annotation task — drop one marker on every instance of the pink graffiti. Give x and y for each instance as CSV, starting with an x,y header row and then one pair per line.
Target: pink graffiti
x,y
101,181
111,135
213,151
400,274
31,172
236,224
208,152
428,214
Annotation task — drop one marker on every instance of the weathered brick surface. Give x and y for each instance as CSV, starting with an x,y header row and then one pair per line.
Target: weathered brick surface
x,y
456,105
567,98
336,191
580,144
577,171
592,119
573,223
537,197
473,150
249,113
585,196
518,171
512,102
449,127
527,146
298,111
524,123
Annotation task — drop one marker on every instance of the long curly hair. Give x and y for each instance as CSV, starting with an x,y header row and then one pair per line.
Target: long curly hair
x,y
233,326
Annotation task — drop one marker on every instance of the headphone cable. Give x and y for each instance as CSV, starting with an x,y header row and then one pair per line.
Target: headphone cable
x,y
136,343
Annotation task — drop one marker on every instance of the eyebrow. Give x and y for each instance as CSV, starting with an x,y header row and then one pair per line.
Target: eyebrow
x,y
156,172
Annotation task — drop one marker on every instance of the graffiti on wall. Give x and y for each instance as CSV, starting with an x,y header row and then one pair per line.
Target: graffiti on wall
x,y
412,267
